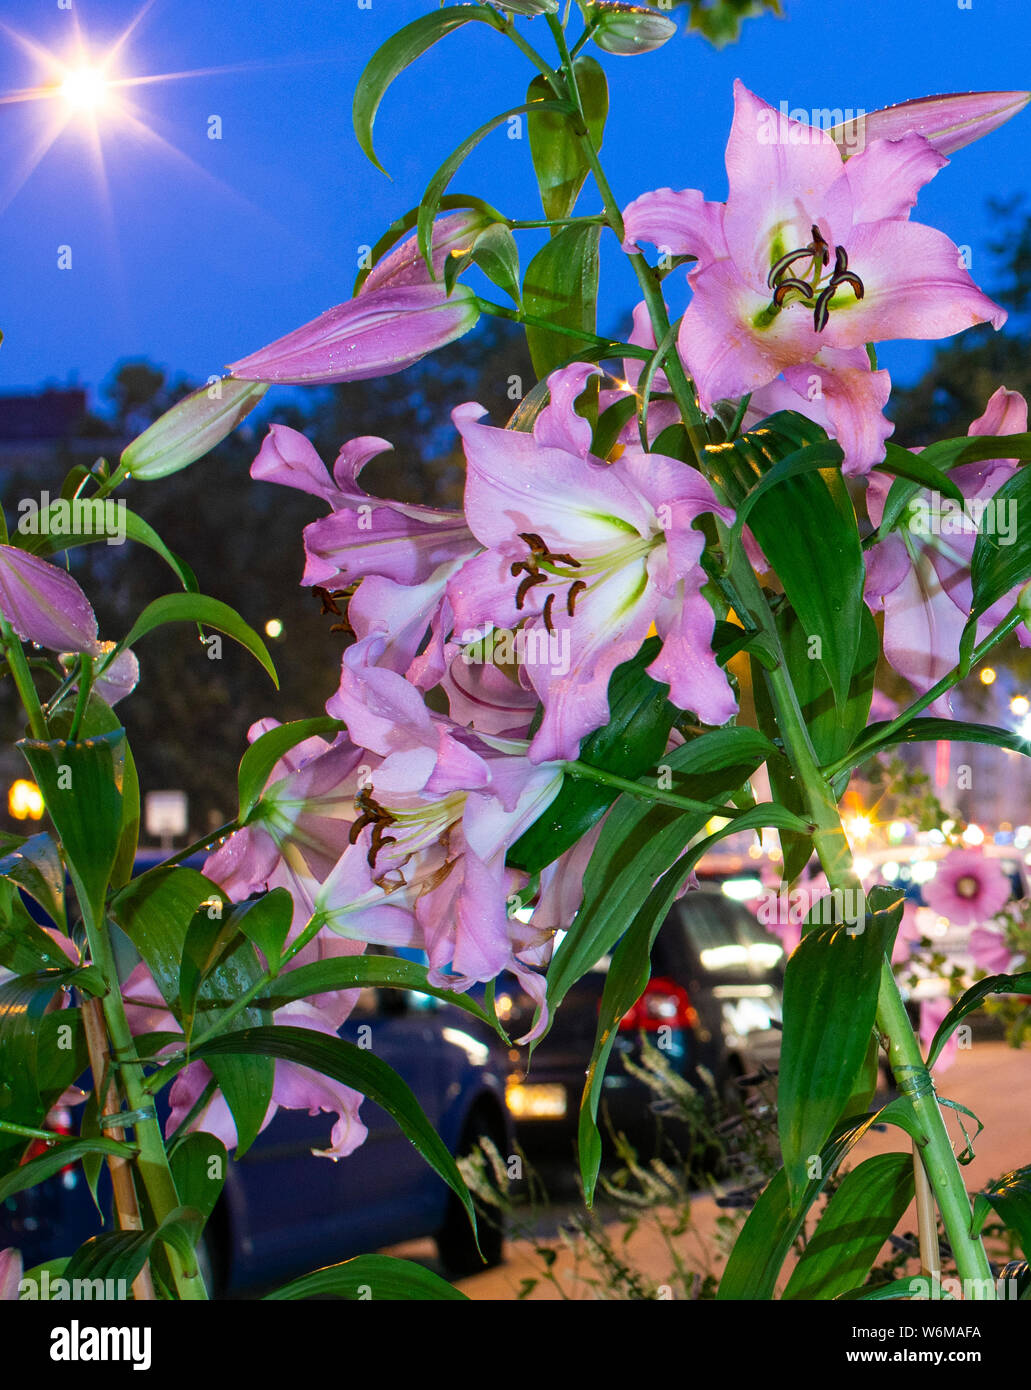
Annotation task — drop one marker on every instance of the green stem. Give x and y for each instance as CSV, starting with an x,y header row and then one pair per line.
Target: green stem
x,y
201,845
884,736
904,1053
611,347
624,784
22,676
651,287
85,684
152,1161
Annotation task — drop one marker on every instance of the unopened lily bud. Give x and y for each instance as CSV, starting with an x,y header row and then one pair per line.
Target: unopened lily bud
x,y
191,428
948,122
1024,604
530,8
405,266
630,29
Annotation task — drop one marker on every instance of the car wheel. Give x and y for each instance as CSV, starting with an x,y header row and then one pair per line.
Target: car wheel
x,y
456,1244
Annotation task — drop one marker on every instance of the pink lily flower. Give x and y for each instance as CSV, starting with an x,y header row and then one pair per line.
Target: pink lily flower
x,y
439,815
405,554
810,259
586,557
45,605
294,1087
10,1273
397,317
932,1016
919,576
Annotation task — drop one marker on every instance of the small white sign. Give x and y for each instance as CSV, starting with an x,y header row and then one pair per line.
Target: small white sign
x,y
164,814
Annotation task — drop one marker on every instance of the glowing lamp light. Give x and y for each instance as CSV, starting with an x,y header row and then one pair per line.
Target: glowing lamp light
x,y
988,675
859,827
973,835
1024,727
25,800
85,89
1020,704
897,831
274,628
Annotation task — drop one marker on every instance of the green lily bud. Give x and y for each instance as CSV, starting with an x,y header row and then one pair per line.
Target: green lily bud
x,y
530,8
629,29
191,428
1024,604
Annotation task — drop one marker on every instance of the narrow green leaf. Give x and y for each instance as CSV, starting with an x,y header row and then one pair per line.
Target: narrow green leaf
x,y
199,1164
900,463
63,1153
561,286
858,1219
82,788
973,999
924,730
103,526
370,1276
773,1223
1010,1199
37,869
199,608
1002,555
808,531
266,922
364,972
830,1002
392,57
263,754
437,186
352,1066
945,455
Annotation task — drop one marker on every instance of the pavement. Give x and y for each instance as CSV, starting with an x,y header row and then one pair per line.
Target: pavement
x,y
989,1078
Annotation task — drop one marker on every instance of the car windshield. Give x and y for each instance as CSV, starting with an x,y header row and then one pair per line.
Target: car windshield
x,y
726,939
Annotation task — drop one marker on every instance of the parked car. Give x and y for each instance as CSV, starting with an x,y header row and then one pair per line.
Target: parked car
x,y
284,1212
712,1007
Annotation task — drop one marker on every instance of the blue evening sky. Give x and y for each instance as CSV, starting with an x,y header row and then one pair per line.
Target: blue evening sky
x,y
194,252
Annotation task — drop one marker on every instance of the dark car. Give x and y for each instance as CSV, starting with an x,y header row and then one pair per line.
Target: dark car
x,y
283,1212
711,1008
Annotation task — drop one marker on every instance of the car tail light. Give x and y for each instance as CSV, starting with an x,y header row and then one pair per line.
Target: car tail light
x,y
664,1003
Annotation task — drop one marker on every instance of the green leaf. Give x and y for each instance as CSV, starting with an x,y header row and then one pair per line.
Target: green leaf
x,y
370,1276
408,220
199,1164
900,463
82,788
924,730
558,155
830,1003
773,1223
63,1153
897,1289
204,945
155,911
392,57
973,999
24,945
561,285
364,972
811,458
435,189
997,567
266,922
121,1255
263,754
37,869
807,529
1010,1199
497,255
135,529
945,455
54,1270
199,608
631,744
352,1066
858,1219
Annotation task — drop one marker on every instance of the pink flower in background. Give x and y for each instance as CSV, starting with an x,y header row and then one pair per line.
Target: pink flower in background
x,y
968,888
909,933
988,949
919,576
587,557
932,1015
807,262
